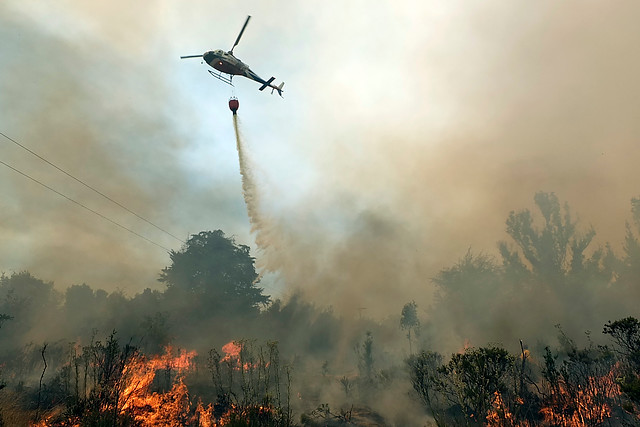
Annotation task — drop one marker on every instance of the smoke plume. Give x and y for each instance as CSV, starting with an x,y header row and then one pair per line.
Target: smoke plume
x,y
381,166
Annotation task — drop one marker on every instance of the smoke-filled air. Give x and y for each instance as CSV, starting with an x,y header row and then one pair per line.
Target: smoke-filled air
x,y
437,223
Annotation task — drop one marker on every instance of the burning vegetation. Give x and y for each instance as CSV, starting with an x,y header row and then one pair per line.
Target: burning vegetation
x,y
109,384
568,387
213,350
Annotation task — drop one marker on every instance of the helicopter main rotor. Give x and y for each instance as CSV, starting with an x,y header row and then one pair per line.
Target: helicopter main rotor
x,y
240,35
246,22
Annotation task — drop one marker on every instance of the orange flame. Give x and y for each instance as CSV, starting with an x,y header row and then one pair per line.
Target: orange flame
x,y
499,415
233,356
139,405
232,351
157,408
588,406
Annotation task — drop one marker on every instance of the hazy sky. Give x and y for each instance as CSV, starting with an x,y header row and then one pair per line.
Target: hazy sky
x,y
407,132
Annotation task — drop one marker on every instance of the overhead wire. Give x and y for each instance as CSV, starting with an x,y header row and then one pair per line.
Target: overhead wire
x,y
84,206
98,192
92,188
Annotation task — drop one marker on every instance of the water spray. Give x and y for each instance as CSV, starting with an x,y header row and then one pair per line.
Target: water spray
x,y
249,190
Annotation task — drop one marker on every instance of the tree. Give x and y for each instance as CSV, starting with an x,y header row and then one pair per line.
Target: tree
x,y
365,358
473,385
427,379
214,274
471,289
476,377
80,308
29,301
4,317
555,264
626,335
629,268
555,253
409,320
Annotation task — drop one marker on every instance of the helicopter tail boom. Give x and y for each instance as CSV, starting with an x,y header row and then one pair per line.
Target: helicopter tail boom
x,y
267,83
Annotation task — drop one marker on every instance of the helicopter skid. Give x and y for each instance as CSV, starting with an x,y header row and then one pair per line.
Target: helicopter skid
x,y
221,77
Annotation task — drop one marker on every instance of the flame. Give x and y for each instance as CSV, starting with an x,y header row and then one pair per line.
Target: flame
x,y
138,402
173,407
465,346
156,408
588,405
205,416
232,351
233,356
499,415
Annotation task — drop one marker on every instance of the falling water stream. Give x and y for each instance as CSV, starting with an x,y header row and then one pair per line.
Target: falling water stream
x,y
250,191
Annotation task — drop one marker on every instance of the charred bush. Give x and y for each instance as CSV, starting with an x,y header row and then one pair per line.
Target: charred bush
x,y
253,388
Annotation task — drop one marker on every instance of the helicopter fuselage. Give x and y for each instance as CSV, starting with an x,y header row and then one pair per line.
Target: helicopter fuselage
x,y
227,63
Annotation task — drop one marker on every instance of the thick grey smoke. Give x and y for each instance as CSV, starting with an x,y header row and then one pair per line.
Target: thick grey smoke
x,y
91,102
502,101
411,132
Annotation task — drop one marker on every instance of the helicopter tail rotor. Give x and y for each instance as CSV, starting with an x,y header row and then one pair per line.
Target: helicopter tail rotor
x,y
278,88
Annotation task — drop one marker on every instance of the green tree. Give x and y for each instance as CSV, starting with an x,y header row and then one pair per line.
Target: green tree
x,y
81,309
553,262
4,317
409,320
427,379
629,267
475,377
470,294
626,336
554,254
214,274
465,390
365,359
30,302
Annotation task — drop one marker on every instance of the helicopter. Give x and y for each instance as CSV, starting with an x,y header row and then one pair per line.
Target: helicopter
x,y
226,63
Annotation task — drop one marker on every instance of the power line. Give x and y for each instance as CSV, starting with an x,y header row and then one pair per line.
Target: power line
x,y
92,188
85,207
272,289
101,194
